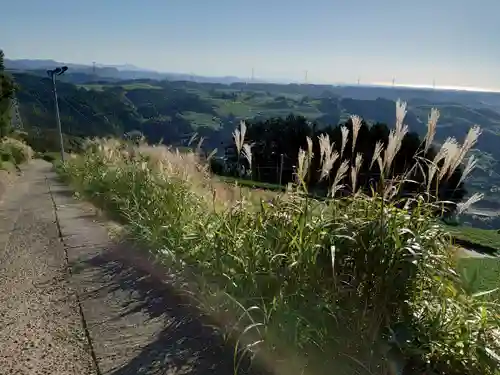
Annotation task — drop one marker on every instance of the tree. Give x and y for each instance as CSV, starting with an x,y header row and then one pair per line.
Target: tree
x,y
7,88
274,137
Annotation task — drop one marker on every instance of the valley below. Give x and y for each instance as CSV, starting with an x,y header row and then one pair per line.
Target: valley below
x,y
170,112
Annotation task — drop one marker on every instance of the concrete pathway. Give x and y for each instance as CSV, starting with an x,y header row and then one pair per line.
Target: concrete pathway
x,y
40,324
74,302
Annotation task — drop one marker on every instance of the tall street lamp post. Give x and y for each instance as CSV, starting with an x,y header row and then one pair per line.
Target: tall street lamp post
x,y
53,74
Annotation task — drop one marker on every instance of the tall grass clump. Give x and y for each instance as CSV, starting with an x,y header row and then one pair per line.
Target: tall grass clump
x,y
365,283
14,151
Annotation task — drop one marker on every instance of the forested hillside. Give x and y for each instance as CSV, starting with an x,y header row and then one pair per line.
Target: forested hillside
x,y
171,111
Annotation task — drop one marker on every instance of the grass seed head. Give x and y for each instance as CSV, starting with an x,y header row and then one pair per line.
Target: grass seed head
x,y
247,153
355,170
431,128
464,206
376,153
356,125
239,136
469,167
324,146
309,149
341,173
301,166
469,142
328,163
400,113
345,135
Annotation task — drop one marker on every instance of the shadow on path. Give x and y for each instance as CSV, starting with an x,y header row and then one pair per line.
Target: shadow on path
x,y
183,343
138,318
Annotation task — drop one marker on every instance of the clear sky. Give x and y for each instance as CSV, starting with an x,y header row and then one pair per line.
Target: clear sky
x,y
457,42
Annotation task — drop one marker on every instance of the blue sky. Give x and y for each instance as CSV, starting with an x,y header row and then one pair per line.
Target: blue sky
x,y
457,42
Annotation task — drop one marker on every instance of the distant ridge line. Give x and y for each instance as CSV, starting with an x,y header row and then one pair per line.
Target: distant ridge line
x,y
26,65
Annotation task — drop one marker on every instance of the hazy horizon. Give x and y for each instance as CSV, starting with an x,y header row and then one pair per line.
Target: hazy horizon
x,y
452,42
285,80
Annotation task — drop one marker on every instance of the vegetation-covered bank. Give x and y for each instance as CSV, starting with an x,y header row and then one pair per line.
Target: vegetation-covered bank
x,y
13,152
346,282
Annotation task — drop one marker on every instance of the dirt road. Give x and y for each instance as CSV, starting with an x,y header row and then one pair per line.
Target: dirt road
x,y
74,302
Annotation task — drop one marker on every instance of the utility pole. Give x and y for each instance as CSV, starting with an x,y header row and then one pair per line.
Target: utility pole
x,y
393,80
305,79
281,168
53,74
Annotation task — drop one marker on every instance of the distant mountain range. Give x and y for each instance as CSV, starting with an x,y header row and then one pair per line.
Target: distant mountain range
x,y
117,72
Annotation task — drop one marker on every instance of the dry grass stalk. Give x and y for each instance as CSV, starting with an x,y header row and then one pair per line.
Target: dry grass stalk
x,y
340,175
463,207
324,146
301,166
239,136
356,125
469,142
355,170
328,155
431,128
379,146
192,139
400,114
247,153
328,163
345,135
198,146
433,166
309,149
396,137
469,167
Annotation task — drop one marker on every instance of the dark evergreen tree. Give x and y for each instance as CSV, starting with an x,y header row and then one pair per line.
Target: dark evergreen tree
x,y
274,137
6,93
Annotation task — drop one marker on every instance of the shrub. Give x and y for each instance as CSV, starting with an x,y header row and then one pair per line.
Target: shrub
x,y
14,151
48,157
314,283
